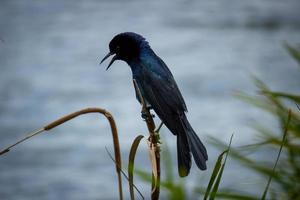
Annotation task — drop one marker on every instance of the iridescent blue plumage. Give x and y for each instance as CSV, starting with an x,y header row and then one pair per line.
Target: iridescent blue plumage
x,y
158,87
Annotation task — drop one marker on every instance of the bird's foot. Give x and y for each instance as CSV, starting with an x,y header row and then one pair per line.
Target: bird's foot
x,y
159,127
146,115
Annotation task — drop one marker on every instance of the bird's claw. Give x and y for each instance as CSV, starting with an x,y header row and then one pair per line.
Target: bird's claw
x,y
145,115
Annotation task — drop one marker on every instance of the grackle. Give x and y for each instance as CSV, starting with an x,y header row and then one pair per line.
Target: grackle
x,y
158,87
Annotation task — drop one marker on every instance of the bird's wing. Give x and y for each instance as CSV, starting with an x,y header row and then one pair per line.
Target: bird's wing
x,y
160,88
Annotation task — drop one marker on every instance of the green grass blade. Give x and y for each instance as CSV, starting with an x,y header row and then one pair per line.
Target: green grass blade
x,y
225,195
216,185
247,162
293,52
259,103
145,176
277,159
214,174
167,162
132,154
229,194
292,97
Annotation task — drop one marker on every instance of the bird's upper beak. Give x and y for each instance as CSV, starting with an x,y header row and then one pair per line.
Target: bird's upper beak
x,y
112,60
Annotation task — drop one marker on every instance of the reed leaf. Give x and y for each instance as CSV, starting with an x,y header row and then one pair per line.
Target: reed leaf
x,y
132,154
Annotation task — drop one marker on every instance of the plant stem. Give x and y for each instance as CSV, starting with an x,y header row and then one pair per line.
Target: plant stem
x,y
76,114
154,147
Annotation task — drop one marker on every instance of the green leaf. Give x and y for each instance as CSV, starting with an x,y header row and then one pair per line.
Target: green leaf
x,y
214,174
167,162
146,176
132,154
259,103
231,196
217,173
216,185
293,52
277,159
295,98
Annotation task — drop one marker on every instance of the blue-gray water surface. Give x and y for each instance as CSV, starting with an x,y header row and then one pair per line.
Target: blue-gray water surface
x,y
49,59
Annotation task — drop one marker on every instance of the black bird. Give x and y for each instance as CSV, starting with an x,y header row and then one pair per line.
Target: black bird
x,y
158,87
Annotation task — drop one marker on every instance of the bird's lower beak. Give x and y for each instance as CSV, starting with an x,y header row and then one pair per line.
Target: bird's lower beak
x,y
112,60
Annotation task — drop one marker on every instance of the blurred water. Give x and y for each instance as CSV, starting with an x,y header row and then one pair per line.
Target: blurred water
x,y
49,67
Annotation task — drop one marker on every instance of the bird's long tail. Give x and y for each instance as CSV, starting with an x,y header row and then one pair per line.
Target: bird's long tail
x,y
188,142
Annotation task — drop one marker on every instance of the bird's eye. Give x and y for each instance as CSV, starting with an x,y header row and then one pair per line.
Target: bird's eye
x,y
117,48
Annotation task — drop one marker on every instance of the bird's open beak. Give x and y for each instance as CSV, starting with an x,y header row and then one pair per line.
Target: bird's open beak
x,y
112,60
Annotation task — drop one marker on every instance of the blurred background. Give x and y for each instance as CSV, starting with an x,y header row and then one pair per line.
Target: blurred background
x,y
49,60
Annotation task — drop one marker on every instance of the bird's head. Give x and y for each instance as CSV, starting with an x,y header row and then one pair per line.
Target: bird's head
x,y
125,46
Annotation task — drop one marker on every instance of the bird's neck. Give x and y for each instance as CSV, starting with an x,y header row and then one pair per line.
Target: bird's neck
x,y
135,65
144,51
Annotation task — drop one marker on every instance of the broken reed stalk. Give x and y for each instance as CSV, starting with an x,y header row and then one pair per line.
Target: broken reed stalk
x,y
68,117
153,144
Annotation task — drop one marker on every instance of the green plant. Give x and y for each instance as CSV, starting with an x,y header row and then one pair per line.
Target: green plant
x,y
283,178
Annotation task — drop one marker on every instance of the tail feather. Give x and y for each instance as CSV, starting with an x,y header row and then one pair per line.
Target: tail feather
x,y
198,150
183,155
188,144
196,146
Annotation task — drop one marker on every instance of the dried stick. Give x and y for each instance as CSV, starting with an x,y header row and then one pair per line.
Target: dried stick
x,y
76,114
153,144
